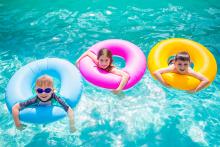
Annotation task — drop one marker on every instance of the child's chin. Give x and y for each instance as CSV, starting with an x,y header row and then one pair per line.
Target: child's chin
x,y
44,99
182,72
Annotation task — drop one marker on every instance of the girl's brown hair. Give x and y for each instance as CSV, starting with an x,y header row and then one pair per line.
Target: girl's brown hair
x,y
107,53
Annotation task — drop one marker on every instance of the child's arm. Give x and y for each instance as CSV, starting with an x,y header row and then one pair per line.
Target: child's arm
x,y
15,113
69,112
124,79
204,81
89,54
159,72
71,120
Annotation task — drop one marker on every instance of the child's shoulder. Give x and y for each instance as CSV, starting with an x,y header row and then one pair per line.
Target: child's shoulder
x,y
169,68
191,71
57,96
32,98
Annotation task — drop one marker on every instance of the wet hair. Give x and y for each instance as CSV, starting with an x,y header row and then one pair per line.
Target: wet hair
x,y
44,80
183,56
107,53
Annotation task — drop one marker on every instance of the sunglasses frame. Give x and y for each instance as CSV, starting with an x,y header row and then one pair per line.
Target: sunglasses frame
x,y
40,90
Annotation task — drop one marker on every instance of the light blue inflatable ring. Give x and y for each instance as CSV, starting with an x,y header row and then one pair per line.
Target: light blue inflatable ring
x,y
20,88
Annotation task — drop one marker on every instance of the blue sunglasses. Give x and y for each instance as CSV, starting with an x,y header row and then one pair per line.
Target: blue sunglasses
x,y
47,90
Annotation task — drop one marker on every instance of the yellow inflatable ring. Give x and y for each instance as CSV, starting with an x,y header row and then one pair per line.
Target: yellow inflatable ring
x,y
204,61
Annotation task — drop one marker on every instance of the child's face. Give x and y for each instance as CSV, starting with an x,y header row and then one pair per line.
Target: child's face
x,y
44,92
104,62
182,66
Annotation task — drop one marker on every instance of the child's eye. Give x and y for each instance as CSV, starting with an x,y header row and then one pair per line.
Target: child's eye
x,y
101,60
179,64
185,64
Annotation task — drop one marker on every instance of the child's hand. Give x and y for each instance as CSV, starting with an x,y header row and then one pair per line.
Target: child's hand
x,y
166,84
116,91
71,120
21,127
192,91
77,64
72,128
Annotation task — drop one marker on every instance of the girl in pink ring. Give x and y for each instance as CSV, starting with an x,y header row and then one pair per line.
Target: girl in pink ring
x,y
104,60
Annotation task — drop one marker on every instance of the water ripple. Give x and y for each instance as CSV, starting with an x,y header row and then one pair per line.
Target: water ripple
x,y
147,114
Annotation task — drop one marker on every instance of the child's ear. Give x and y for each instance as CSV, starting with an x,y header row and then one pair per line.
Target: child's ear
x,y
54,90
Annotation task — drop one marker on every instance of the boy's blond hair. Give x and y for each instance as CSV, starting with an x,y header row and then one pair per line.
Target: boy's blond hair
x,y
44,80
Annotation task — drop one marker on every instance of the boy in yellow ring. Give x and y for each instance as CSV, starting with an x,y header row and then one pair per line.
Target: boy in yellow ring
x,y
181,65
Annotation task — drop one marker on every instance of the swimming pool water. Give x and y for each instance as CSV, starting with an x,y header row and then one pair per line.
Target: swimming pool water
x,y
147,114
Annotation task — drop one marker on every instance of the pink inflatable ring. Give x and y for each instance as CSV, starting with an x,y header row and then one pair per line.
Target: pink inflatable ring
x,y
133,56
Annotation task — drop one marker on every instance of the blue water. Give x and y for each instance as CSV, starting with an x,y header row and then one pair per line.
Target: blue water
x,y
146,115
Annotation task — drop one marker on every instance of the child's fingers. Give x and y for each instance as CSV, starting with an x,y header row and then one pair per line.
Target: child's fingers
x,y
165,84
191,91
22,127
116,91
77,64
72,129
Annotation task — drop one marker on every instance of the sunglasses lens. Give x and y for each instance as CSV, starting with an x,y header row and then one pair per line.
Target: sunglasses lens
x,y
39,90
48,90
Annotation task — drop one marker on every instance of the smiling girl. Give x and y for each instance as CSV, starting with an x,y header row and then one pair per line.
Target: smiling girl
x,y
104,60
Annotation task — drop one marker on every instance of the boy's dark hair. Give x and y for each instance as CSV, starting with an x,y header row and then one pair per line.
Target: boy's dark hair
x,y
107,53
183,56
